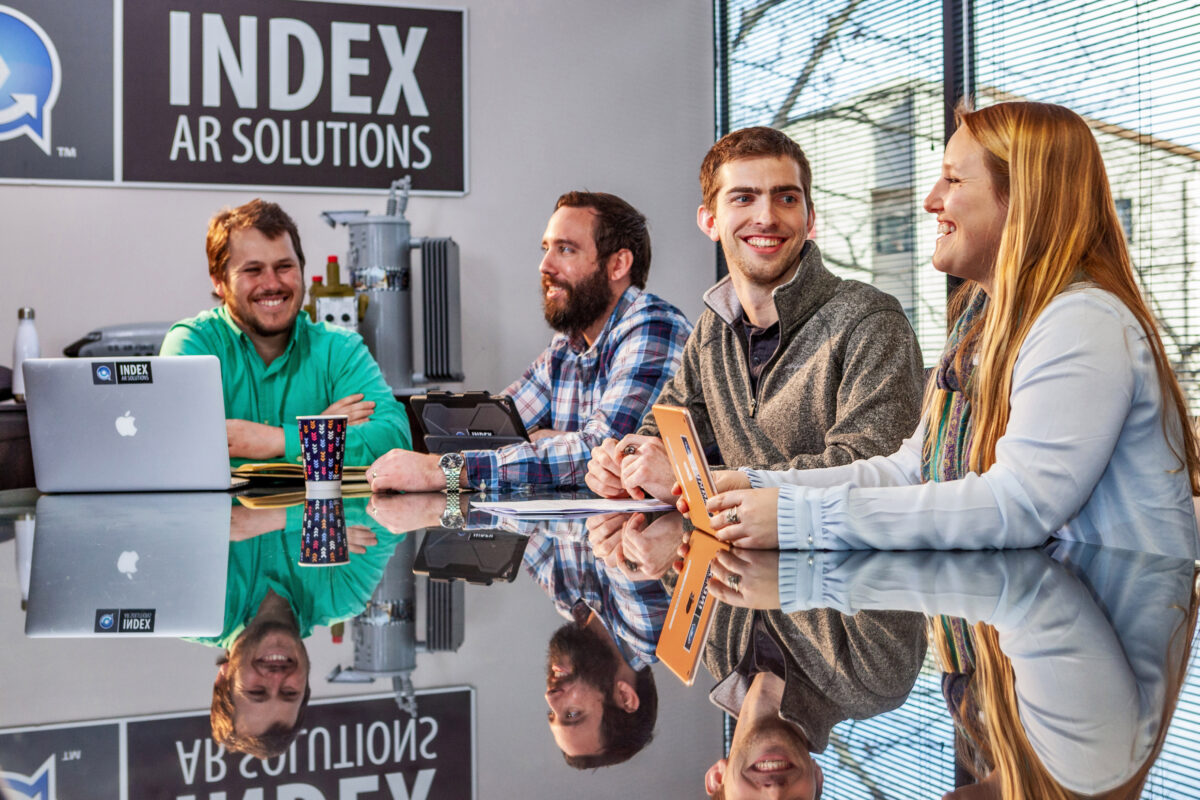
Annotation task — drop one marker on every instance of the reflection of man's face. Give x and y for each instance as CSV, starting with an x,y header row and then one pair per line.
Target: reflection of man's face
x,y
580,672
269,669
767,760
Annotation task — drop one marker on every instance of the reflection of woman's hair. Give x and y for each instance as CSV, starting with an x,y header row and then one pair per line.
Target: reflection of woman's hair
x,y
991,723
1061,228
268,744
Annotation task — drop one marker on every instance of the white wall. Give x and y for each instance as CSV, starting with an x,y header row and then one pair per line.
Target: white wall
x,y
614,96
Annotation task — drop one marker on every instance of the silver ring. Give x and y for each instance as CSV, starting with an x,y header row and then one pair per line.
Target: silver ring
x,y
630,449
731,516
374,474
631,565
735,582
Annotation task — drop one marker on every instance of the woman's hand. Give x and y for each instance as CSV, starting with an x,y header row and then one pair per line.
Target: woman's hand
x,y
757,582
724,480
746,518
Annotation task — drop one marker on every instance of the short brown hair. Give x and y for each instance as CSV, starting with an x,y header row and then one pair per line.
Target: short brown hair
x,y
759,142
269,744
624,733
619,226
267,218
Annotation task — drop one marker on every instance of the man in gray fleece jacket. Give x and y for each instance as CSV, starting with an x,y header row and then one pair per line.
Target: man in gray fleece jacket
x,y
789,365
789,678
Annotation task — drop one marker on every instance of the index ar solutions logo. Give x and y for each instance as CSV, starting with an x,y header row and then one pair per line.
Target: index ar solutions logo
x,y
30,74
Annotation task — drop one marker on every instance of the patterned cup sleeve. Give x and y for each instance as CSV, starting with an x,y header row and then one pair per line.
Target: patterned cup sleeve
x,y
323,537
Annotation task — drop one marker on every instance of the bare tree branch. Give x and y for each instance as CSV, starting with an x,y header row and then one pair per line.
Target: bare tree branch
x,y
750,18
835,25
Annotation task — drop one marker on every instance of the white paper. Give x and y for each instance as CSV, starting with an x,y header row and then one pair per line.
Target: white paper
x,y
575,507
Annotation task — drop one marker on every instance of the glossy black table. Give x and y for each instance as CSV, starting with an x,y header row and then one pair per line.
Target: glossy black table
x,y
117,714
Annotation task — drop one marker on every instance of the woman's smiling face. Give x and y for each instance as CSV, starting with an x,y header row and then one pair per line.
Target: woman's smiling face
x,y
970,214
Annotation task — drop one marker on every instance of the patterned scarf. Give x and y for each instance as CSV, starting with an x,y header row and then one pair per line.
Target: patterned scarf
x,y
944,458
947,448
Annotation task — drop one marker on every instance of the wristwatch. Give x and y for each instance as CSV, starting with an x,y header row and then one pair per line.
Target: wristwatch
x,y
452,517
452,464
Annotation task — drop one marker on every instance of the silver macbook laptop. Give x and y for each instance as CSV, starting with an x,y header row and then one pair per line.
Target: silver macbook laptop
x,y
127,424
129,565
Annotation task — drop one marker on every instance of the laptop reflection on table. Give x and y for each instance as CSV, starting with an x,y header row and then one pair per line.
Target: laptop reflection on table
x,y
129,565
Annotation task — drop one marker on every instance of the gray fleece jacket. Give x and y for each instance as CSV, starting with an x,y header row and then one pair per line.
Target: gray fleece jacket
x,y
837,667
845,382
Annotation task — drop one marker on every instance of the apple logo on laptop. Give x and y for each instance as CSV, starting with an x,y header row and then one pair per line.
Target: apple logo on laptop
x,y
125,425
127,563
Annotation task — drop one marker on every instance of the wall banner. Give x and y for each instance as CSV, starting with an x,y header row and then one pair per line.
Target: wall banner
x,y
361,747
288,94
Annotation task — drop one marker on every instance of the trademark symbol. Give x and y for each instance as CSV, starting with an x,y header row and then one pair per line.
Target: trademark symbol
x,y
65,152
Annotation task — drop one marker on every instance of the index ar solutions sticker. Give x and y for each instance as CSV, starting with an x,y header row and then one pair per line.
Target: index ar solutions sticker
x,y
113,372
124,620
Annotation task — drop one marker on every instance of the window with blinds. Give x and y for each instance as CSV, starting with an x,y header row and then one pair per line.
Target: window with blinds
x,y
857,84
862,86
1128,68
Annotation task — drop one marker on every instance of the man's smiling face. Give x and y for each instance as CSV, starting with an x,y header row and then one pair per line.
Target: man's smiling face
x,y
761,218
263,286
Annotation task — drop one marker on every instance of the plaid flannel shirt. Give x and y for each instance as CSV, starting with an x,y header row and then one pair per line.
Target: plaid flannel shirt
x,y
560,559
595,392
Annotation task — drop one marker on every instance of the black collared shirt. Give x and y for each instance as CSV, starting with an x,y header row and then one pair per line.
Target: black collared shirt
x,y
760,345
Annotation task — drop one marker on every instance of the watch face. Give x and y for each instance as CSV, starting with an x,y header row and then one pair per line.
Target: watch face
x,y
451,461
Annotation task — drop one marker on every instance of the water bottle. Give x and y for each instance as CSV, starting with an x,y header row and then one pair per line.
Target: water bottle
x,y
25,345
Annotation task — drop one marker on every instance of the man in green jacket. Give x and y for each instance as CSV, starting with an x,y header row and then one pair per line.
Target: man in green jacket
x,y
276,363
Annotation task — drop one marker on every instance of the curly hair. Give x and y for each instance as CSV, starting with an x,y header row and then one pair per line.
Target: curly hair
x,y
267,218
272,742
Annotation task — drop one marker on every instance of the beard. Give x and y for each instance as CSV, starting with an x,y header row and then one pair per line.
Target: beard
x,y
580,304
592,660
246,315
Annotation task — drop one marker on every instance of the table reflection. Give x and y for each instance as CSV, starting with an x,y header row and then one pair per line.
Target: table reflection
x,y
1062,667
1090,646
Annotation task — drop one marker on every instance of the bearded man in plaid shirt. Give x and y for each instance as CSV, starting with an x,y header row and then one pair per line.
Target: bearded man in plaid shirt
x,y
616,347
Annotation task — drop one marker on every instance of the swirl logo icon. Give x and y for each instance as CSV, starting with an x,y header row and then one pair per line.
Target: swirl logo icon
x,y
30,75
40,785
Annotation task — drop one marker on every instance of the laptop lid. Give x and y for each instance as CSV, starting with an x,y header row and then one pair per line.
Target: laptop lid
x,y
127,424
129,565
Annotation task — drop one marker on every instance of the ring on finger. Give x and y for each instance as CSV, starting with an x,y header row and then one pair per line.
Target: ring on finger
x,y
731,516
735,582
632,566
